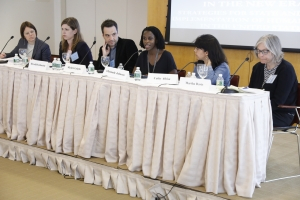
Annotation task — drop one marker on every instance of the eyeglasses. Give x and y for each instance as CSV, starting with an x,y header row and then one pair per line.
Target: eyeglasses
x,y
264,52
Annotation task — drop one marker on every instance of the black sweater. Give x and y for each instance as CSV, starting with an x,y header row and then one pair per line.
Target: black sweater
x,y
283,90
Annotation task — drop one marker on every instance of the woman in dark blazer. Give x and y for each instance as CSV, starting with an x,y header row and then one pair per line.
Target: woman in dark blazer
x,y
36,48
73,44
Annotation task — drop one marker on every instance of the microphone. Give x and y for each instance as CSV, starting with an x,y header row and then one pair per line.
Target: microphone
x,y
139,51
186,66
225,89
88,51
6,43
40,45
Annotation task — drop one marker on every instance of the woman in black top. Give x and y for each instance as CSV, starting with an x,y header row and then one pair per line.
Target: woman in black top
x,y
73,44
155,59
276,75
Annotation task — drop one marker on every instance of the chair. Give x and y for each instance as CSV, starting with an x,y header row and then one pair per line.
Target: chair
x,y
54,56
95,63
181,73
289,129
235,79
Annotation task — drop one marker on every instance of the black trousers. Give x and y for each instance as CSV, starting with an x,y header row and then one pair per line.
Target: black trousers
x,y
282,119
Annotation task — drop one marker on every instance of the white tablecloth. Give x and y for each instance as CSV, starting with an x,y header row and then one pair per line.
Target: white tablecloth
x,y
215,140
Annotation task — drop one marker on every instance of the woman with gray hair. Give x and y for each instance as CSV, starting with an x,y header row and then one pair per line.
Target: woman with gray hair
x,y
276,75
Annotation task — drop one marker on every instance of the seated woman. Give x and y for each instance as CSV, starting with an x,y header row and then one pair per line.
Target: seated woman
x,y
73,44
276,75
36,48
155,59
209,50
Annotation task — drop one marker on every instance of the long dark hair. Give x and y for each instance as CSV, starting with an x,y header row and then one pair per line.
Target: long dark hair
x,y
210,44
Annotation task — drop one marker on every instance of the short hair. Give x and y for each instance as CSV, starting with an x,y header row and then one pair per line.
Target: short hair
x,y
109,23
24,25
210,44
273,44
159,39
74,24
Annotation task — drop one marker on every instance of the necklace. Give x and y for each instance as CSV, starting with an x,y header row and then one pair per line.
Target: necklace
x,y
154,61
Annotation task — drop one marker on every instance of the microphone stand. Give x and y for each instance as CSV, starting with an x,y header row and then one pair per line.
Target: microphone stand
x,y
139,51
5,61
226,89
6,44
186,66
88,52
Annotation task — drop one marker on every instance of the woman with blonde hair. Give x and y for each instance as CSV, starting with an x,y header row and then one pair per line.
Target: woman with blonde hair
x,y
73,43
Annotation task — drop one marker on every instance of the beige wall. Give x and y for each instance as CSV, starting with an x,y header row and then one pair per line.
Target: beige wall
x,y
46,15
157,12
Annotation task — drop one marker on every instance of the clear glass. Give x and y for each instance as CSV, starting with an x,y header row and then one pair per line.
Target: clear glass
x,y
66,57
202,70
23,54
105,61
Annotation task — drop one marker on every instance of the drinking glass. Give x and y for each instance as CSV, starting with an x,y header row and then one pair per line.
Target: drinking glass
x,y
66,57
105,61
23,54
202,70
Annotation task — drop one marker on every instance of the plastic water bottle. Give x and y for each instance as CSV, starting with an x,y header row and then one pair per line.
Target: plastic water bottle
x,y
120,66
25,60
137,74
54,63
16,59
58,64
193,75
220,80
91,68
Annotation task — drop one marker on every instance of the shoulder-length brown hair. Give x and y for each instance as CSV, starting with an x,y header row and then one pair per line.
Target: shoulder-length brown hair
x,y
24,25
73,23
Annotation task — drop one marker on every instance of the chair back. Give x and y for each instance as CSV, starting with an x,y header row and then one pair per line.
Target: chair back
x,y
235,79
296,119
53,56
181,73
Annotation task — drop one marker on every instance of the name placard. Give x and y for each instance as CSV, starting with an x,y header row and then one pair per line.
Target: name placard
x,y
162,78
38,65
116,73
195,83
75,68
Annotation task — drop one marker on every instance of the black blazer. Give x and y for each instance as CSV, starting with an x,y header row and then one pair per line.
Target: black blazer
x,y
125,49
41,50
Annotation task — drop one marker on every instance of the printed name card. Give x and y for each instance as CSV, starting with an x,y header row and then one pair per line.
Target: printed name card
x,y
116,73
75,68
162,78
195,83
38,65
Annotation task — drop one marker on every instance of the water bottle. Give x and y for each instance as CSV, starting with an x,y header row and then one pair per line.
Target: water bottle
x,y
16,59
120,66
91,68
193,75
25,60
137,74
58,64
220,80
188,75
54,63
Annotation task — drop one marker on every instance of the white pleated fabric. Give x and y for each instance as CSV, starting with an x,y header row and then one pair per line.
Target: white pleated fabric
x,y
197,139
